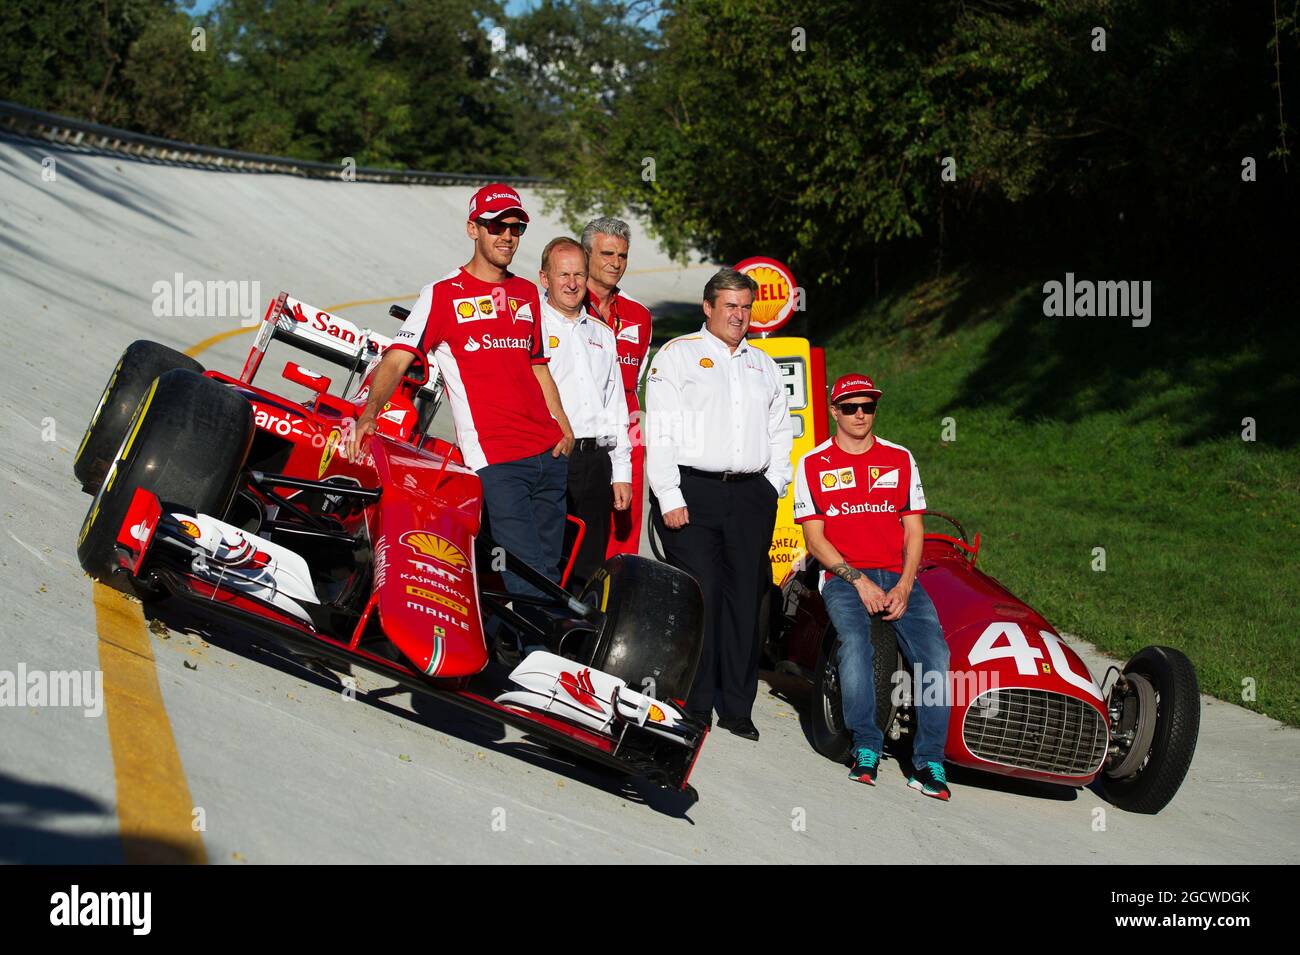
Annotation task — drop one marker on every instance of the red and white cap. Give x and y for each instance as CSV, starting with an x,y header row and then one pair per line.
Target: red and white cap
x,y
494,200
849,385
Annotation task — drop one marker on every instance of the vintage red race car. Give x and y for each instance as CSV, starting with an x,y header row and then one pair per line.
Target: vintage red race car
x,y
1023,702
213,490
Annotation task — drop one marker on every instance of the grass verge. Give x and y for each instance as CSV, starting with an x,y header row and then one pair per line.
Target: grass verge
x,y
1083,440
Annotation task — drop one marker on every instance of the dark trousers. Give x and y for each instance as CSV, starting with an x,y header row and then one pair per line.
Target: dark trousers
x,y
725,548
590,500
524,505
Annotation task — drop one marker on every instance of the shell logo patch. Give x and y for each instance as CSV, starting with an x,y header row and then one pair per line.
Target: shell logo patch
x,y
190,528
464,310
436,548
553,342
706,362
883,477
838,478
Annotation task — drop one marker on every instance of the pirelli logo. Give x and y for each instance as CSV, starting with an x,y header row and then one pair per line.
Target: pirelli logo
x,y
423,594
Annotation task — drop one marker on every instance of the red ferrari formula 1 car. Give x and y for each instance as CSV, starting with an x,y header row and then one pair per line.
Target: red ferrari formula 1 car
x,y
213,490
1023,703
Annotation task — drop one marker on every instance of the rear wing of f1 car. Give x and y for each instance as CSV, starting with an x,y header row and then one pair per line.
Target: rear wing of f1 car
x,y
328,337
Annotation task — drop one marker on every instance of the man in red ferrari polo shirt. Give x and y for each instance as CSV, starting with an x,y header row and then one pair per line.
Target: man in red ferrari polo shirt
x,y
482,324
859,499
606,241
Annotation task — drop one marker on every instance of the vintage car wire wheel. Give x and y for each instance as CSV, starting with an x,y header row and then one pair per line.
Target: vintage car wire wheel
x,y
140,364
830,736
186,442
1145,780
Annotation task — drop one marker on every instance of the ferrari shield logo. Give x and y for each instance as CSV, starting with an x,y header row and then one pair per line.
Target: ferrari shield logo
x,y
327,454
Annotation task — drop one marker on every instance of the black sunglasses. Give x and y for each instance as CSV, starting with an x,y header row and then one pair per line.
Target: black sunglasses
x,y
852,408
496,228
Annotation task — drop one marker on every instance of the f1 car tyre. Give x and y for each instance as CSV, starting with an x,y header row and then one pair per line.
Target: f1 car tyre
x,y
1158,709
830,737
140,364
186,442
653,625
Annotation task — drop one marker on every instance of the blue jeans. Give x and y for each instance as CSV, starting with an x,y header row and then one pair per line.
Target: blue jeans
x,y
524,501
919,637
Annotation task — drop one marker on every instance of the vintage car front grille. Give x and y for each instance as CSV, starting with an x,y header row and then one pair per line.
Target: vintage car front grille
x,y
1036,729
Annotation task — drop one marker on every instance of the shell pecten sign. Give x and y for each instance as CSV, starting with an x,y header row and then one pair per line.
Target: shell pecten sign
x,y
775,300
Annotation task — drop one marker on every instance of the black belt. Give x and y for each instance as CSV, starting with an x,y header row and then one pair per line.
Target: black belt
x,y
594,444
724,475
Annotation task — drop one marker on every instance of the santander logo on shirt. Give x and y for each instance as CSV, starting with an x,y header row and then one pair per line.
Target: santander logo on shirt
x,y
489,341
886,508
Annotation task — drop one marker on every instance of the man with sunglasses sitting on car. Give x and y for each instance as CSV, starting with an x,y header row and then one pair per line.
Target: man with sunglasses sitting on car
x,y
482,325
860,502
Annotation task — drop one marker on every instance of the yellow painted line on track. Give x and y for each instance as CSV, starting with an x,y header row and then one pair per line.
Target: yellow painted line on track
x,y
195,350
154,807
155,810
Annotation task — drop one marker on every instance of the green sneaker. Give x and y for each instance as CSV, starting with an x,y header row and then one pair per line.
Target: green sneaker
x,y
930,780
865,763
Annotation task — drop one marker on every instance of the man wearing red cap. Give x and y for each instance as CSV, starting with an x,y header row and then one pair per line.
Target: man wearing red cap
x,y
860,501
482,324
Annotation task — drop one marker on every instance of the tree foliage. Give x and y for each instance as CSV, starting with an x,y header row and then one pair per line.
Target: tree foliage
x,y
813,130
831,154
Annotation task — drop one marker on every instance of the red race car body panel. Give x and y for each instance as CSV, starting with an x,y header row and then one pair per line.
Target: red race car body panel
x,y
373,561
423,531
1023,702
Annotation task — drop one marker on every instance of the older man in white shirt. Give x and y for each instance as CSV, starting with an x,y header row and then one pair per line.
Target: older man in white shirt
x,y
584,363
718,439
